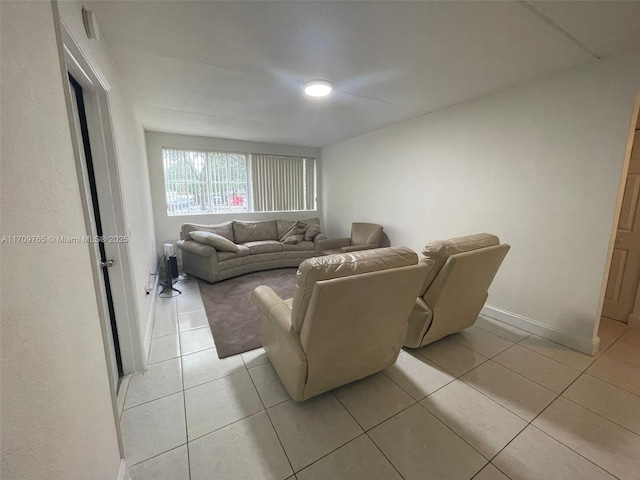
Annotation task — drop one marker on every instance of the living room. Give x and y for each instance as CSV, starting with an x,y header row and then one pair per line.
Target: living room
x,y
446,120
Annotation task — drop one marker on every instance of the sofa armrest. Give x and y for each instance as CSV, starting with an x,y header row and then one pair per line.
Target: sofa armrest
x,y
333,243
272,307
356,248
197,248
317,242
281,343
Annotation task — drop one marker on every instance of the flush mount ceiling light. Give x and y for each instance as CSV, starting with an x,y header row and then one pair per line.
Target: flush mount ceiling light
x,y
317,88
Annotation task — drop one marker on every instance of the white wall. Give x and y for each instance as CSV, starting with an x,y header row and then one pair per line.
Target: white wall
x,y
57,415
168,228
539,165
132,165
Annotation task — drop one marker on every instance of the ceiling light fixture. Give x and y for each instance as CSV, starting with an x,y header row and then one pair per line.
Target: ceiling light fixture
x,y
317,88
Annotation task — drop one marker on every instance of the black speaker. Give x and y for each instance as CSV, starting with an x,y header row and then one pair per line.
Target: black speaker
x,y
173,266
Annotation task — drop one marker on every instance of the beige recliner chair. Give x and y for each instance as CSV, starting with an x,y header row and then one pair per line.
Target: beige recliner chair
x,y
364,236
460,273
347,319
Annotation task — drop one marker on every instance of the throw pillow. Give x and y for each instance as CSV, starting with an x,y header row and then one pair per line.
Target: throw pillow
x,y
293,239
216,241
298,228
312,232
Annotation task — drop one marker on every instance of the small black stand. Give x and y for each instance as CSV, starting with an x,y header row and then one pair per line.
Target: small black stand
x,y
167,285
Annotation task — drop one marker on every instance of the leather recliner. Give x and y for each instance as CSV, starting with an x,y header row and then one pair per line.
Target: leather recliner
x,y
460,271
347,319
364,236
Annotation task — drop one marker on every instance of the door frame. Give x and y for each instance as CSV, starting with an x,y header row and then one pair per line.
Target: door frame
x,y
634,318
103,148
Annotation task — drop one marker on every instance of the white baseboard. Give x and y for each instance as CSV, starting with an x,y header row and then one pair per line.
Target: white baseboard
x,y
634,320
151,320
123,472
530,325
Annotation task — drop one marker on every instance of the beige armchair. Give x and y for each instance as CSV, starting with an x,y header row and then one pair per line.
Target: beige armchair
x,y
460,273
364,236
347,319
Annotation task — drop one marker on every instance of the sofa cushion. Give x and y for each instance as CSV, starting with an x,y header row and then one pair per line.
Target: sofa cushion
x,y
244,232
223,229
435,254
298,247
284,225
337,266
299,228
242,252
312,231
263,246
196,248
216,241
293,239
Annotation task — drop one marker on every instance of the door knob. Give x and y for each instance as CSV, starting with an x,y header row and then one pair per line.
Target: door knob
x,y
106,263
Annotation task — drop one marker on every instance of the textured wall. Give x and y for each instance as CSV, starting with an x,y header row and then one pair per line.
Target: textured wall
x,y
539,165
57,419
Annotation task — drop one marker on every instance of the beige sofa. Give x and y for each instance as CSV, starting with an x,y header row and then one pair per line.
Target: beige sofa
x,y
347,319
455,289
258,248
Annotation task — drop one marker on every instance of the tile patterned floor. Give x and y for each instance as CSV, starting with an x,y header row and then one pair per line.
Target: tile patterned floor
x,y
490,403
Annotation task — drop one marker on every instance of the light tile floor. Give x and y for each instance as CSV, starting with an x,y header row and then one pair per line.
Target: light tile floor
x,y
490,403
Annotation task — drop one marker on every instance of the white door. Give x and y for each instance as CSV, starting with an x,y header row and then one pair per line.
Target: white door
x,y
102,251
625,263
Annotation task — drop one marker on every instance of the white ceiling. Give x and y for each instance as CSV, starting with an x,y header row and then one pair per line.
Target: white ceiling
x,y
234,69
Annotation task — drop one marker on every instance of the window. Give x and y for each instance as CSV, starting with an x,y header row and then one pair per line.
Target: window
x,y
198,181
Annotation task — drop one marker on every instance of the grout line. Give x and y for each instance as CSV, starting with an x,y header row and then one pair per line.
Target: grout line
x,y
561,394
225,426
500,336
427,410
592,357
158,454
486,359
505,406
453,338
332,451
268,416
547,358
574,451
479,471
490,319
149,401
184,404
422,398
456,433
366,432
612,384
335,449
602,416
494,466
530,424
215,379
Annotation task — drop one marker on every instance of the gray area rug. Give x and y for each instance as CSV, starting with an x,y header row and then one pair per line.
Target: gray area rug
x,y
233,318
